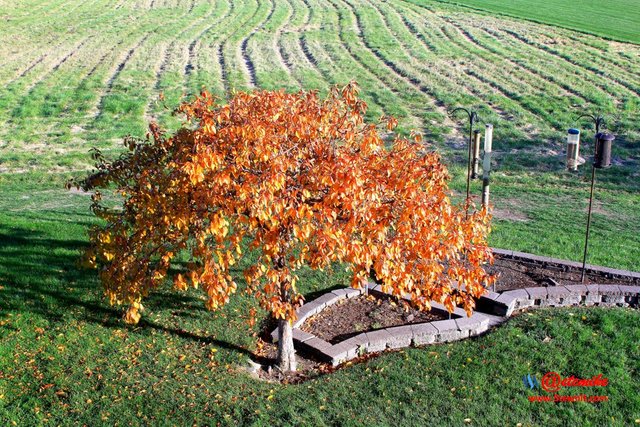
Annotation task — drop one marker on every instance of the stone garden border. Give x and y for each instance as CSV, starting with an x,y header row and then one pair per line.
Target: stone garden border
x,y
457,327
566,264
492,308
505,303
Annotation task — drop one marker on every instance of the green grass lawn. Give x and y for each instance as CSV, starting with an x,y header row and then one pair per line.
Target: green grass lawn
x,y
615,19
66,358
80,74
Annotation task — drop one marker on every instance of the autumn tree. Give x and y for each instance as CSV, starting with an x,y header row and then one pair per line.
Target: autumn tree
x,y
297,179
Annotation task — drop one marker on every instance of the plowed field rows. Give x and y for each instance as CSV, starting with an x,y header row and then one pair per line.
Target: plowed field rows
x,y
77,74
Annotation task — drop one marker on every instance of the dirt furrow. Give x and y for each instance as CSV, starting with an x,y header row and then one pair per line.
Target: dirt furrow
x,y
31,67
465,35
192,49
67,56
39,61
326,71
249,64
124,62
541,55
623,64
310,10
283,57
566,58
495,86
189,67
114,76
224,73
516,64
34,83
393,67
307,53
499,87
417,34
379,78
159,68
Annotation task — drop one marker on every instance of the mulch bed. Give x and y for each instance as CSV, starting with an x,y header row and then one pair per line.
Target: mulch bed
x,y
516,274
365,313
353,316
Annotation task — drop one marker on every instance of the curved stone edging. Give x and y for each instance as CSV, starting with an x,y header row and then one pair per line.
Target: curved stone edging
x,y
491,310
459,326
505,303
566,264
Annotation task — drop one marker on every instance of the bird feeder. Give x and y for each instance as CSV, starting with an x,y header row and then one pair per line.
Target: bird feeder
x,y
486,163
475,148
602,158
573,149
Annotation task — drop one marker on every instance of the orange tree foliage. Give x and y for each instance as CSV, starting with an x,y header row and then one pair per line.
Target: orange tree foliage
x,y
298,179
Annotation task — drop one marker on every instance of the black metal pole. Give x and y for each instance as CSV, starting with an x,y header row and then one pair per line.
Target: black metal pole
x,y
586,239
473,117
598,121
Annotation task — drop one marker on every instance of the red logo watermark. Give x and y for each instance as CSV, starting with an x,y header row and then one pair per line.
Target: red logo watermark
x,y
553,382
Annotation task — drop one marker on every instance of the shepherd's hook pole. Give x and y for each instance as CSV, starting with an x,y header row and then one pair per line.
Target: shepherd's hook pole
x,y
473,117
598,121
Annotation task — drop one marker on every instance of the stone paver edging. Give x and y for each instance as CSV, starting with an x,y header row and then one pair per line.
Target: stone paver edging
x,y
505,303
458,327
491,310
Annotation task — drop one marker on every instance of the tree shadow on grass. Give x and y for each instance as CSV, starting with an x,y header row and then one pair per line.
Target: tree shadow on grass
x,y
39,274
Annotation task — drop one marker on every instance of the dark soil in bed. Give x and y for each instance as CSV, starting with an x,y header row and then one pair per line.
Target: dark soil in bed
x,y
353,316
517,274
350,317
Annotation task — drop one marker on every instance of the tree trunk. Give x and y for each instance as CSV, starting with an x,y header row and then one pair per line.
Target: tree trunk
x,y
286,353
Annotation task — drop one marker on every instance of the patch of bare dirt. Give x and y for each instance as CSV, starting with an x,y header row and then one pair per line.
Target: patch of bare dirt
x,y
508,214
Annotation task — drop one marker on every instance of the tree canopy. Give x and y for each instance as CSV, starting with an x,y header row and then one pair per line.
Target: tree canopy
x,y
298,179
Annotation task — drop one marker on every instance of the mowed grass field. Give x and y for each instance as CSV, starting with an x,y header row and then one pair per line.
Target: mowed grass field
x,y
80,74
616,19
66,358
